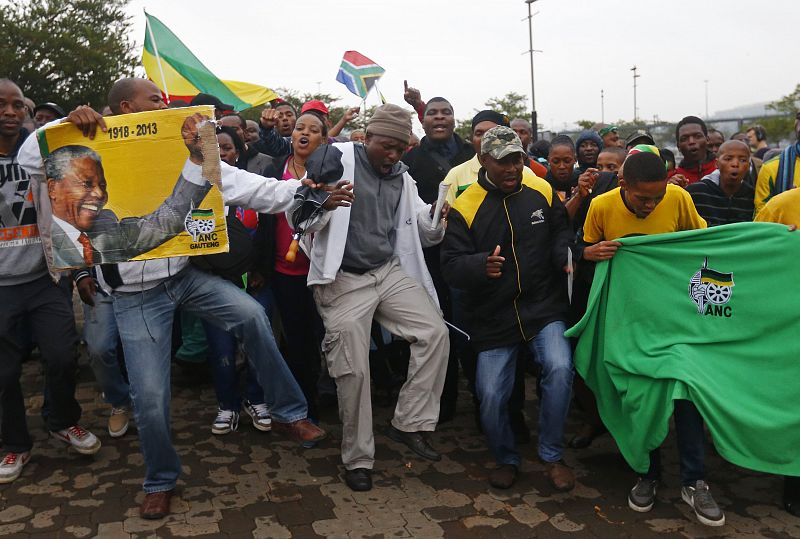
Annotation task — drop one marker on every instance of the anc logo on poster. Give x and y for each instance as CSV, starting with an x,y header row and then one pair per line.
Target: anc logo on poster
x,y
147,188
711,290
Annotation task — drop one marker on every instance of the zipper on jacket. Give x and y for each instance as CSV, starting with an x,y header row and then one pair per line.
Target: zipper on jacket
x,y
516,263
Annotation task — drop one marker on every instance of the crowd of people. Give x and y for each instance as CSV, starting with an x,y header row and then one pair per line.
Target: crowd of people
x,y
378,267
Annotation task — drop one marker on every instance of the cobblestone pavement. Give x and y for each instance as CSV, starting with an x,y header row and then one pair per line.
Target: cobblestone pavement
x,y
253,484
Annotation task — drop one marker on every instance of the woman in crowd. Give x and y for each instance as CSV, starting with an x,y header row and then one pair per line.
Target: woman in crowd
x,y
301,324
222,344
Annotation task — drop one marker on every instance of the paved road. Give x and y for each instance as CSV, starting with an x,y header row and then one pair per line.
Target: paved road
x,y
252,484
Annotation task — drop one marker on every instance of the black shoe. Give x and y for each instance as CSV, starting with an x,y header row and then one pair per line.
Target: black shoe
x,y
358,479
585,436
415,442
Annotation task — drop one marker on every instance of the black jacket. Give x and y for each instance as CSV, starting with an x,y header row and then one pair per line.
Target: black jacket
x,y
531,227
717,208
428,167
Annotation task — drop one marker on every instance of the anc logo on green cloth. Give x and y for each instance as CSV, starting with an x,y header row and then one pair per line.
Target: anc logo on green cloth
x,y
711,290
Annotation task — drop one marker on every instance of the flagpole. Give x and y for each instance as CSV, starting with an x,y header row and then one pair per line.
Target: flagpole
x,y
158,56
380,95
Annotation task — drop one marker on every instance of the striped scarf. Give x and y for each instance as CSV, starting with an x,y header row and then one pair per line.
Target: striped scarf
x,y
785,176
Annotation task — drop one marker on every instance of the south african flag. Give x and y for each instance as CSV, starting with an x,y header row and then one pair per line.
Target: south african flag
x,y
358,73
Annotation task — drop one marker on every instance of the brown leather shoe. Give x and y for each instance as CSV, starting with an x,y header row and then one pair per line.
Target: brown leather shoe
x,y
303,431
503,476
156,505
560,476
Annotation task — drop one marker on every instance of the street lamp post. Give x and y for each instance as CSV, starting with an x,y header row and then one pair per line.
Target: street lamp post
x,y
602,106
635,109
534,124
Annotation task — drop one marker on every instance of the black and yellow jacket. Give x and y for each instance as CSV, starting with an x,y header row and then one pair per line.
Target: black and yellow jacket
x,y
532,229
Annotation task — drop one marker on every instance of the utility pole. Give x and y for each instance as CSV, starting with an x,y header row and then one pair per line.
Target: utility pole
x,y
706,83
534,124
602,107
635,109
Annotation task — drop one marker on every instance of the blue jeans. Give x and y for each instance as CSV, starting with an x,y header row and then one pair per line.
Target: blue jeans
x,y
691,445
145,326
101,335
494,381
222,359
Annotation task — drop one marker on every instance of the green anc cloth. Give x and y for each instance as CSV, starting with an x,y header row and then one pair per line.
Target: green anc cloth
x,y
705,315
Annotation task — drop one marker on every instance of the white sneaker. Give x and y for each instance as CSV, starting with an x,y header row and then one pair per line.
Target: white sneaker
x,y
227,421
259,413
12,464
83,441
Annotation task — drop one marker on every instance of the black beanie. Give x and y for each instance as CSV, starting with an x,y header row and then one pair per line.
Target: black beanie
x,y
490,116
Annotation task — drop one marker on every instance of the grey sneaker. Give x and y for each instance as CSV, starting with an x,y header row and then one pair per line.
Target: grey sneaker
x,y
706,509
226,422
259,413
642,497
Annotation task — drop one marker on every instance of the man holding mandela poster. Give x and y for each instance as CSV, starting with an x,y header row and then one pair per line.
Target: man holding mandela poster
x,y
84,232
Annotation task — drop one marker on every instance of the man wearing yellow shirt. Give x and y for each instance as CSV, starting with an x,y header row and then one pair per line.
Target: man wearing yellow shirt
x,y
644,203
462,176
785,208
780,173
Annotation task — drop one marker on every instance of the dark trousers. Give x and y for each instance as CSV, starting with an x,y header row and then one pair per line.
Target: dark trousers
x,y
47,308
304,331
691,445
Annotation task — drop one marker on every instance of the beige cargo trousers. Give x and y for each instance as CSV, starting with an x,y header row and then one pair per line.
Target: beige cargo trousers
x,y
402,306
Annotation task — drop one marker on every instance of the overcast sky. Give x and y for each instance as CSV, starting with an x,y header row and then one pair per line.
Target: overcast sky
x,y
471,50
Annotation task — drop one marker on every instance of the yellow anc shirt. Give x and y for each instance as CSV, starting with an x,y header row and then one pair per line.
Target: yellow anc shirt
x,y
765,184
610,219
783,208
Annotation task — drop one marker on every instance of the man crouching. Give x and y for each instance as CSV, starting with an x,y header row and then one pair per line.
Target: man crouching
x,y
367,262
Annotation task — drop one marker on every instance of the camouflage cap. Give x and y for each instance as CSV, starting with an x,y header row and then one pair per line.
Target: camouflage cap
x,y
500,141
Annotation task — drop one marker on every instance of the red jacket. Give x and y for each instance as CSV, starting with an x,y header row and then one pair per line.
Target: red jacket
x,y
696,173
537,168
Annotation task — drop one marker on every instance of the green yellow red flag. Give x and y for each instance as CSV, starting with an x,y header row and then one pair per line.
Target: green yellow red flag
x,y
181,75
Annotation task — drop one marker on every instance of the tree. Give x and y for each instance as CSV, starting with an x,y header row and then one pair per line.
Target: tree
x,y
512,104
296,99
66,51
782,127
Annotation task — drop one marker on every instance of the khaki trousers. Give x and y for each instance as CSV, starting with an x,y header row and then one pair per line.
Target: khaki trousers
x,y
402,306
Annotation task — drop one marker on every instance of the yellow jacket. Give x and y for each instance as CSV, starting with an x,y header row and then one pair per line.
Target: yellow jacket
x,y
767,178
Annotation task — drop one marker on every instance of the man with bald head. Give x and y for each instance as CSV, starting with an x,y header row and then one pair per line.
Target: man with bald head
x,y
29,296
524,131
723,197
